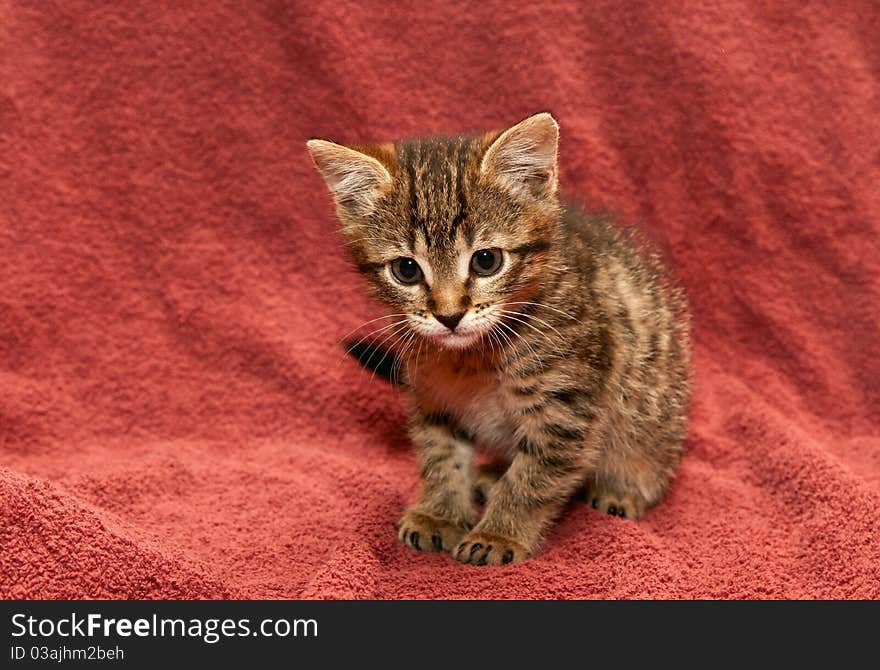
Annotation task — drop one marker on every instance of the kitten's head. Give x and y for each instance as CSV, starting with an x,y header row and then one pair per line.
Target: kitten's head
x,y
454,233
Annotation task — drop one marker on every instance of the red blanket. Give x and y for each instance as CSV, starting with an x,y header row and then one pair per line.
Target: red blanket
x,y
177,417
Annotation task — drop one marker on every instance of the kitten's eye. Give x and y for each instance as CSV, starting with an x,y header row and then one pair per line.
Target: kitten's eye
x,y
406,271
486,262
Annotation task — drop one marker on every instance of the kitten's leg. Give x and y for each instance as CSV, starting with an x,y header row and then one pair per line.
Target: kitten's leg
x,y
625,483
548,467
444,511
487,475
615,498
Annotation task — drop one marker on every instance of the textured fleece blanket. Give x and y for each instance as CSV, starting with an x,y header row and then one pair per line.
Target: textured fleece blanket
x,y
177,416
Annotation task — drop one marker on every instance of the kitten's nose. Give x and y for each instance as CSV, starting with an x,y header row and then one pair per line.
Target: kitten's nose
x,y
449,320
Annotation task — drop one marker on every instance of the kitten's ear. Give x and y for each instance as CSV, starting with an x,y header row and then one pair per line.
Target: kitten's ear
x,y
523,158
355,179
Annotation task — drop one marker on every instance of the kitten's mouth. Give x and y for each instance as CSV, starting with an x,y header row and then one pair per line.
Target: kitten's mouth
x,y
454,340
462,337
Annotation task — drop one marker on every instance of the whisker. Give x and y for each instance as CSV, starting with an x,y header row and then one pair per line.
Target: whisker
x,y
409,358
540,304
381,347
508,315
506,337
494,339
511,346
367,239
351,348
400,325
497,340
397,366
529,316
367,323
482,341
397,363
525,341
402,362
376,332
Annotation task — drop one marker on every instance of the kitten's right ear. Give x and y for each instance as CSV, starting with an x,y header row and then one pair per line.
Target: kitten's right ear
x,y
356,180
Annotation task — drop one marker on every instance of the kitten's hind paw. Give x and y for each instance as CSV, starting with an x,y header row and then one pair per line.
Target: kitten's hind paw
x,y
424,532
624,506
480,548
487,475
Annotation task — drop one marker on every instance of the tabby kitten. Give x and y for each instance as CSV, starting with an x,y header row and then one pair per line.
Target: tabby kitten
x,y
528,328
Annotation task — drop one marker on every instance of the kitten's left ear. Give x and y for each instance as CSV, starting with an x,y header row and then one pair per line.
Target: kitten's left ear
x,y
523,158
355,179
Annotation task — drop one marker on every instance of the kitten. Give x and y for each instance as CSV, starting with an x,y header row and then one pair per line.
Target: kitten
x,y
528,328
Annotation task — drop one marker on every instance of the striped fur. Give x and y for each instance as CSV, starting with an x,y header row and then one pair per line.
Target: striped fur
x,y
578,378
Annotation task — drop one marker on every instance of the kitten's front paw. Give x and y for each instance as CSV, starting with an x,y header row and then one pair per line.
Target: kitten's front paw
x,y
482,548
425,532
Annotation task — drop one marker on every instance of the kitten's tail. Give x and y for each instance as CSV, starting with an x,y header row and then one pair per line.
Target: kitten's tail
x,y
383,362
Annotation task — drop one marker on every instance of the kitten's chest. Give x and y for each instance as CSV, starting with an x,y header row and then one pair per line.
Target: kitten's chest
x,y
474,396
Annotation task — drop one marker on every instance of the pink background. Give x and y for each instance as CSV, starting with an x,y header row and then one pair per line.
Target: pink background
x,y
177,418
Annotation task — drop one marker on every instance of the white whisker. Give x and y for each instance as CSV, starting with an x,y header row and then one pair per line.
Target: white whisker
x,y
366,323
368,239
509,315
351,347
397,366
409,358
525,341
540,304
381,347
529,316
